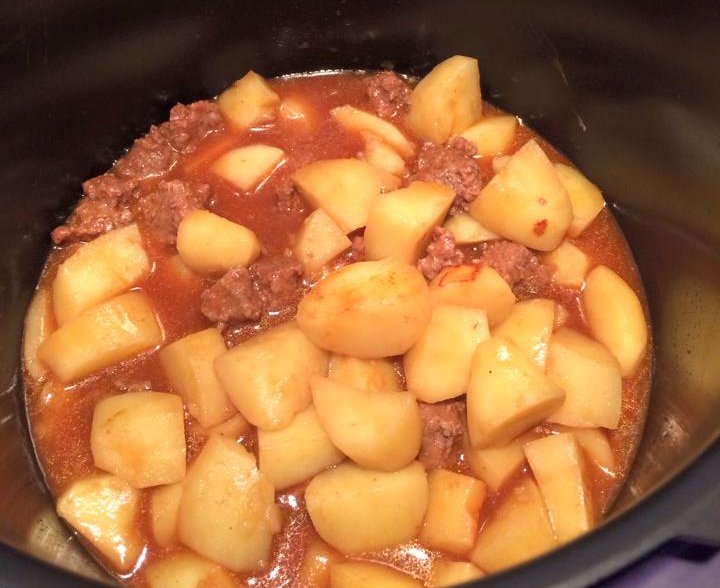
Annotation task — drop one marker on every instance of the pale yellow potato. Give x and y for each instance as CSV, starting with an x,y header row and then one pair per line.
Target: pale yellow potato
x,y
359,121
39,323
232,428
186,570
296,111
343,188
492,135
364,374
616,317
437,367
525,201
530,325
314,570
101,336
446,101
318,241
451,520
518,530
357,510
188,365
376,429
378,153
465,229
476,285
388,182
570,264
248,102
495,465
587,200
596,446
247,167
105,267
508,394
400,223
499,162
164,511
362,574
447,573
297,452
558,465
370,309
227,511
105,511
268,376
590,376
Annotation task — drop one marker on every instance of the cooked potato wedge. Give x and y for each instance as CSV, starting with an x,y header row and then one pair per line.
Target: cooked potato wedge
x,y
318,241
570,264
495,465
187,570
530,325
361,574
39,323
364,374
586,199
378,153
492,135
354,119
248,102
447,573
164,511
247,167
465,229
317,561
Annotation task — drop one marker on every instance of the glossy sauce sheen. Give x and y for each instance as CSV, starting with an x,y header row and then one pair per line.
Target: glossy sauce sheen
x,y
61,417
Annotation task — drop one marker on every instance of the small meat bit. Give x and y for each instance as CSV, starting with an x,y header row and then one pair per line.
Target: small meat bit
x,y
389,94
518,266
443,427
288,201
440,253
276,278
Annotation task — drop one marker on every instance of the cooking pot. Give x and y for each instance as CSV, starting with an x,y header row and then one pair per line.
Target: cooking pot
x,y
629,91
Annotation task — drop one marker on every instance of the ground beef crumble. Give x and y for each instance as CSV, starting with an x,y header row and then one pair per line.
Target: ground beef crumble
x,y
518,266
389,94
440,253
443,428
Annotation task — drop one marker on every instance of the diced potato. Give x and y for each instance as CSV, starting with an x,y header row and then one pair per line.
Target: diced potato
x,y
101,336
451,520
492,135
525,201
39,323
314,571
164,510
357,510
188,365
499,162
518,531
447,100
376,429
360,121
364,374
267,377
104,510
140,436
437,367
298,112
587,201
465,229
388,182
297,452
616,317
530,325
362,574
570,264
249,101
369,309
227,511
508,394
109,265
558,466
343,188
318,241
186,570
590,376
247,167
479,286
596,446
495,465
450,573
378,153
400,223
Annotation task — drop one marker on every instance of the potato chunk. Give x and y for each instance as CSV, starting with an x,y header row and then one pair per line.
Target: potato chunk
x,y
569,263
465,229
101,336
530,325
450,573
247,167
361,574
39,323
109,265
364,374
315,568
104,510
437,367
447,100
343,188
357,510
369,309
227,511
186,570
495,465
400,223
296,111
508,394
492,135
164,511
525,201
384,157
248,102
318,241
587,201
616,317
363,122
596,446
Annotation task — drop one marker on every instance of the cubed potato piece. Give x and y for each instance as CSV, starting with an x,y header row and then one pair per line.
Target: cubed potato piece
x,y
479,286
450,573
530,325
105,267
465,229
508,394
248,102
616,317
267,377
362,574
378,153
492,135
359,121
451,520
343,188
499,162
164,511
140,436
101,336
105,511
559,468
188,365
525,201
227,510
447,100
297,452
208,243
587,200
495,465
364,374
590,376
518,531
370,309
596,446
247,167
378,430
296,111
318,241
186,570
39,323
400,223
437,367
314,571
357,510
570,264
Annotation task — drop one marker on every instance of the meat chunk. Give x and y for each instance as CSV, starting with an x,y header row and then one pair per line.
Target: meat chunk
x,y
288,201
441,252
277,278
443,428
518,266
389,94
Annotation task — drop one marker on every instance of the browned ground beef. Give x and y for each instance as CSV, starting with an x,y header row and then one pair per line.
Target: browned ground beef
x,y
288,201
389,94
277,278
518,266
443,428
441,252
